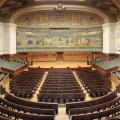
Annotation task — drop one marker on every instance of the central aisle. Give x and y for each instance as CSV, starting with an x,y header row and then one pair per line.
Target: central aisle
x,y
62,114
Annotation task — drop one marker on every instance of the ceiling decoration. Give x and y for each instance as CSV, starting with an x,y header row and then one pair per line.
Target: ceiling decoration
x,y
117,2
53,19
2,2
108,7
11,5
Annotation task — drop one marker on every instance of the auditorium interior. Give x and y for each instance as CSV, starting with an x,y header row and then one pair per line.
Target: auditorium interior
x,y
59,59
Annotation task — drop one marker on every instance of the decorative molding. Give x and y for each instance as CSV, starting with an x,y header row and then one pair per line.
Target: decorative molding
x,y
59,19
2,2
53,7
116,3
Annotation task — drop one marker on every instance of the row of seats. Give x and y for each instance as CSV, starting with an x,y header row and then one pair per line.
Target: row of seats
x,y
15,108
104,99
95,83
60,86
117,73
26,83
106,114
11,65
22,61
27,103
108,64
104,107
2,75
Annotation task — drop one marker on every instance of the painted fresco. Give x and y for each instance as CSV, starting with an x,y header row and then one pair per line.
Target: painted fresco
x,y
108,7
59,39
58,19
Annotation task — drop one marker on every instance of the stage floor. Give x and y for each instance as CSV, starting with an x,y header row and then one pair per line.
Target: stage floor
x,y
59,64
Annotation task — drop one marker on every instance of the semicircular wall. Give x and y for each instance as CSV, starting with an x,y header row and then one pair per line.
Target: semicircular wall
x,y
74,28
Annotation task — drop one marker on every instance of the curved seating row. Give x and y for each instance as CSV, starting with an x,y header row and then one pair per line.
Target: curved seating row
x,y
107,114
108,64
20,108
2,75
11,65
12,115
27,103
97,101
11,110
96,108
3,118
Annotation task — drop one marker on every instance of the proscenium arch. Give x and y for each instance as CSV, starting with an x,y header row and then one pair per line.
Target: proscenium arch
x,y
53,7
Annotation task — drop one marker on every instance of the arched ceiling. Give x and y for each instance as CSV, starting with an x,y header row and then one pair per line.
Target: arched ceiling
x,y
116,2
110,8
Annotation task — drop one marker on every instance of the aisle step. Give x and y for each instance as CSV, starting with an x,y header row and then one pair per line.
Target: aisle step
x,y
87,96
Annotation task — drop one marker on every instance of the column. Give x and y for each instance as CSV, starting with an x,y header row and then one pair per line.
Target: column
x,y
1,38
109,38
118,37
9,38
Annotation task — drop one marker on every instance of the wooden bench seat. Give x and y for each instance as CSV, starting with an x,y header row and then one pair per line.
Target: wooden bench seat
x,y
10,105
96,101
27,103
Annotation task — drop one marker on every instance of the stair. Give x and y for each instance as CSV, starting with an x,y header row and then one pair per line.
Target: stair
x,y
87,96
34,98
62,114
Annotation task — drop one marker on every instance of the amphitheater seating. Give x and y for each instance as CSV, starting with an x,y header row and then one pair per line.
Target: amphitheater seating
x,y
107,64
95,83
97,101
102,108
60,86
115,118
13,115
2,75
3,118
16,107
15,111
117,73
11,65
21,61
27,103
98,108
25,84
106,114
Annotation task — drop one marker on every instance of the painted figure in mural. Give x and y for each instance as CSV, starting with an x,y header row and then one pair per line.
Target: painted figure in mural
x,y
80,38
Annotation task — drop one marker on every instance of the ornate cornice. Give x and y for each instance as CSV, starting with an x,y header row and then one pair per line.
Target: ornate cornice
x,y
54,6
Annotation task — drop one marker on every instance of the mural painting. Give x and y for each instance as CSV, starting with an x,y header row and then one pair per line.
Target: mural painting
x,y
61,39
